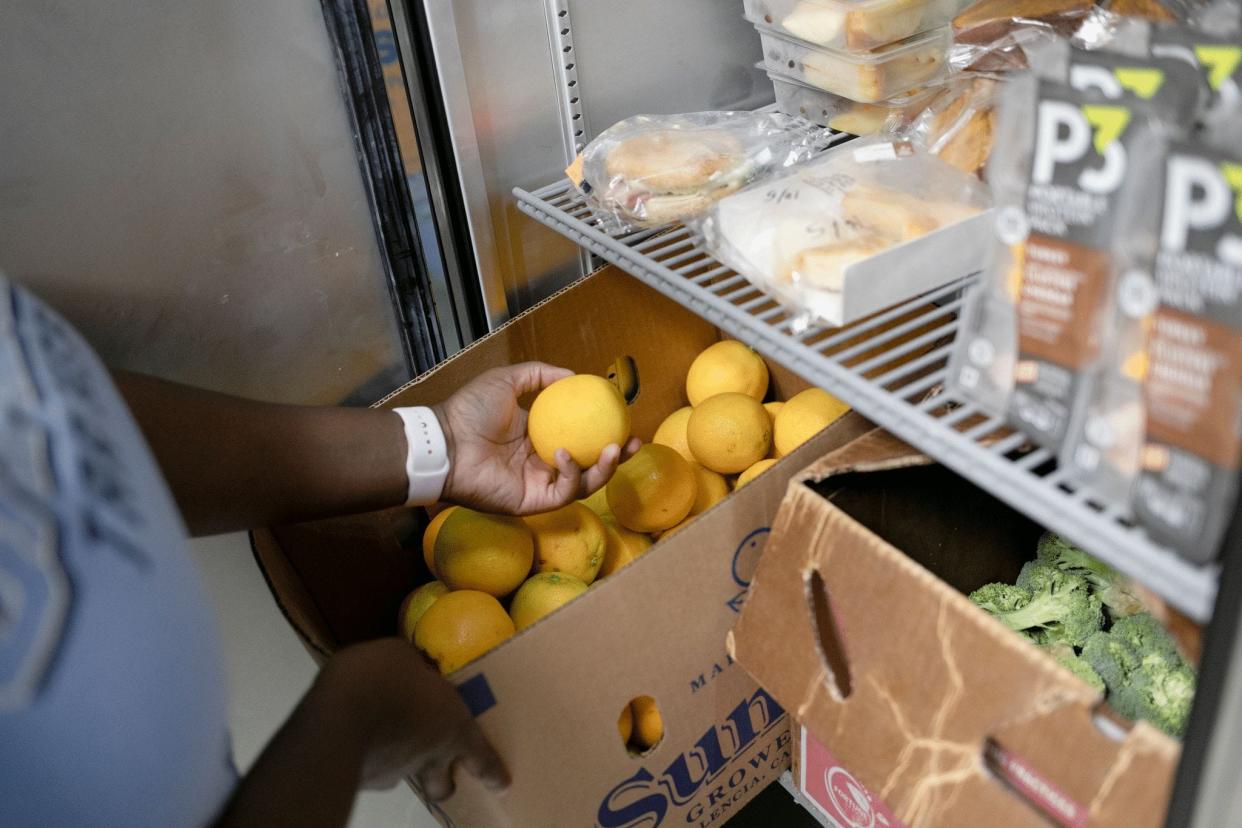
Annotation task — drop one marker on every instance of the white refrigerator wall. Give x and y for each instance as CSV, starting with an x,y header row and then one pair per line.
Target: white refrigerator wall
x,y
180,180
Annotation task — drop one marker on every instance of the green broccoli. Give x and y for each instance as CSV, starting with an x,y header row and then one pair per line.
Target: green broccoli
x,y
1111,587
1143,671
1054,608
1064,655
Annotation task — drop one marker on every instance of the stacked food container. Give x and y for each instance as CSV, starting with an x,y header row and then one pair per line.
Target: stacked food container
x,y
850,64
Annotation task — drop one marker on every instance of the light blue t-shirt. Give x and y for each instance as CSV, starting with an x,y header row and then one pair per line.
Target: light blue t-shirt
x,y
112,691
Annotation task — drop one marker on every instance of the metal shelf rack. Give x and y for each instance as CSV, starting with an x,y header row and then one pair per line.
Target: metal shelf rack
x,y
863,365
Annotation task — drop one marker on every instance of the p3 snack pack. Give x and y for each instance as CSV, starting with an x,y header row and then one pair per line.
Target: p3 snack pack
x,y
1162,428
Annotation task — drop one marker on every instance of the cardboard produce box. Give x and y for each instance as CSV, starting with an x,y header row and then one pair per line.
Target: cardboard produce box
x,y
857,623
550,697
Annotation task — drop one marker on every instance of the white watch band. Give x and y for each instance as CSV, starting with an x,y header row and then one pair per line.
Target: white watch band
x,y
426,459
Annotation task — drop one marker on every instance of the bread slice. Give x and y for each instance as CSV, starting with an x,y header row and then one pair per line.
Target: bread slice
x,y
670,161
814,22
884,24
823,268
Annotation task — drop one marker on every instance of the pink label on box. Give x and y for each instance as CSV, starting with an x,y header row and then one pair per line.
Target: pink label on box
x,y
1036,788
836,794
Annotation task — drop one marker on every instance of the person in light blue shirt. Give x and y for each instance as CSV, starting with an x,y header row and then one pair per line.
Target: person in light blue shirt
x,y
112,695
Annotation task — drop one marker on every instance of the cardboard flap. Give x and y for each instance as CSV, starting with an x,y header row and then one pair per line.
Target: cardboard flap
x,y
908,682
874,451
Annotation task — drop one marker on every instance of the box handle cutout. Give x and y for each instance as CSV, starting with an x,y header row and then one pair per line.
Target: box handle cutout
x,y
828,637
623,373
1034,789
641,726
1110,726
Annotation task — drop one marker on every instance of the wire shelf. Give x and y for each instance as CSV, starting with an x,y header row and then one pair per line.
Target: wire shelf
x,y
884,367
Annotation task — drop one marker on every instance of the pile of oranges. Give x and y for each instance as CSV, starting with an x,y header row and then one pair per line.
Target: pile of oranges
x,y
498,575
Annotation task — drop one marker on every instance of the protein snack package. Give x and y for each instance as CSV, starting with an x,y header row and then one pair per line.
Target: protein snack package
x,y
1033,327
799,236
651,170
1173,88
1162,428
1218,56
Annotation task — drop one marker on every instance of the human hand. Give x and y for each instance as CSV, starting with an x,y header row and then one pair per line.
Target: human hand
x,y
412,722
492,464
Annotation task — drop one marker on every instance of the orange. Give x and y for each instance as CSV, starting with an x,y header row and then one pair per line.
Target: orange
x,y
417,603
753,472
713,488
653,490
541,594
569,540
581,414
429,537
490,553
648,724
597,502
729,433
623,546
672,432
773,408
461,626
625,724
803,416
726,367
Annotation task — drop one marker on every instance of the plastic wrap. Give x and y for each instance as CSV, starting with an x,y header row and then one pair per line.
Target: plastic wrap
x,y
958,124
798,235
995,36
651,170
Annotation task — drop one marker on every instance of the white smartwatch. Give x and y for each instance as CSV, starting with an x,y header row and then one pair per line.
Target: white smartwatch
x,y
426,459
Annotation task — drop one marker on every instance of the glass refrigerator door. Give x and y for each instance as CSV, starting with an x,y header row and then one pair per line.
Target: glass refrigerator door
x,y
183,182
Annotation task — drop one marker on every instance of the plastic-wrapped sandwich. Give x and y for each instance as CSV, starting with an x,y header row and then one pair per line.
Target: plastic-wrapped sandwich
x,y
651,170
831,238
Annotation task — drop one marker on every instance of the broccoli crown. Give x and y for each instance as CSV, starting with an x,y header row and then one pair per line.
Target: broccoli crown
x,y
1079,668
1112,588
1056,607
1162,696
1146,636
1038,576
1143,671
999,598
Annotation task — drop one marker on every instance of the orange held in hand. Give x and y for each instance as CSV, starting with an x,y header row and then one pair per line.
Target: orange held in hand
x,y
581,414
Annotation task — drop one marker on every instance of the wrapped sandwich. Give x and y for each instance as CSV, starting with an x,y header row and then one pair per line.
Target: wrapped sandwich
x,y
804,236
651,170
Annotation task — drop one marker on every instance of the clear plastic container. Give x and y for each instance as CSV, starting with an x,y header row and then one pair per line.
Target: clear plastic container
x,y
867,77
851,25
826,109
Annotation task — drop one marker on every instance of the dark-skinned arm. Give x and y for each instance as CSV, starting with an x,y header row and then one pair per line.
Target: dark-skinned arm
x,y
236,464
376,713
